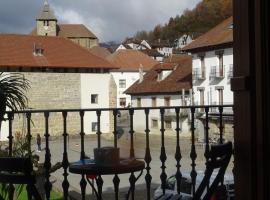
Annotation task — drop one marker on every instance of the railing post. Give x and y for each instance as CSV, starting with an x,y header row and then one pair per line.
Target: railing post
x,y
65,163
98,128
116,179
193,154
83,182
10,137
29,135
131,131
147,157
10,134
163,156
99,179
82,134
220,109
178,155
206,130
47,164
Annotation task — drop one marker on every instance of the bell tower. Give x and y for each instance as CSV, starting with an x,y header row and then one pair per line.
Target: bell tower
x,y
46,21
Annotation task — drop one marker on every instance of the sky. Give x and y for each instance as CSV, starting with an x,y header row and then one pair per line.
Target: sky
x,y
109,20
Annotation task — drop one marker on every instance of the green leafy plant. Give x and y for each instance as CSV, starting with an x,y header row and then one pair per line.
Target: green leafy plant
x,y
13,87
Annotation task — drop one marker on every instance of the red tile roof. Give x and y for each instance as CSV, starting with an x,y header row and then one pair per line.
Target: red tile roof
x,y
220,35
180,78
131,60
100,51
17,51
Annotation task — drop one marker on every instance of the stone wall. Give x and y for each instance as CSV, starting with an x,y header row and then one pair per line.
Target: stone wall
x,y
49,30
85,42
52,91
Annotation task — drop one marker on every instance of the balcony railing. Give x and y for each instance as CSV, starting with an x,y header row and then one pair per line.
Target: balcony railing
x,y
198,74
216,72
178,153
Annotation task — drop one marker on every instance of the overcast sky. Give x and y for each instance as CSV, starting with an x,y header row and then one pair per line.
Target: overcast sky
x,y
108,19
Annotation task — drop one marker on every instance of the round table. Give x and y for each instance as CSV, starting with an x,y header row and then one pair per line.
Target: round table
x,y
90,167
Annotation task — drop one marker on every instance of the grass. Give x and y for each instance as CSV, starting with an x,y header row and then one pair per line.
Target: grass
x,y
54,195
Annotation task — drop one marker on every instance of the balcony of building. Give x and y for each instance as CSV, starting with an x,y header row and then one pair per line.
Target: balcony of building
x,y
162,156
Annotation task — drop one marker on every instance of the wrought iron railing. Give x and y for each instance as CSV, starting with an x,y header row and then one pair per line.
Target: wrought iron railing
x,y
198,74
147,158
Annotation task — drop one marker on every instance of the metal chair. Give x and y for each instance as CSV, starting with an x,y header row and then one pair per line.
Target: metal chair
x,y
18,171
219,158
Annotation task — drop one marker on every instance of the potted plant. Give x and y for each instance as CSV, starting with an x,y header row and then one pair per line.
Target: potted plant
x,y
12,93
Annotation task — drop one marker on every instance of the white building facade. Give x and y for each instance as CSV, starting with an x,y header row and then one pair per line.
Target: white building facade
x,y
158,100
124,80
211,72
96,94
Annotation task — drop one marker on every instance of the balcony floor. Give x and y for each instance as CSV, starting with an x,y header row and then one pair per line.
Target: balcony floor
x,y
124,144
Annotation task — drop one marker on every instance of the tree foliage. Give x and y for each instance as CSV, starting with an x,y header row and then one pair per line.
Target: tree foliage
x,y
206,15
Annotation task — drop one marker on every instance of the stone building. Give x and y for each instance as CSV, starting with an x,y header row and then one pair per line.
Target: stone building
x,y
46,25
62,75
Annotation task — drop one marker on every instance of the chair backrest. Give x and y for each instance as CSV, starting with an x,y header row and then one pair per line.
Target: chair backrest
x,y
219,158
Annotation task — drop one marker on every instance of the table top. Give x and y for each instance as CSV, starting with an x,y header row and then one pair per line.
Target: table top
x,y
90,167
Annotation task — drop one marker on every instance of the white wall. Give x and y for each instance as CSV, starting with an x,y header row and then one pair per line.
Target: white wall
x,y
130,78
95,84
146,101
210,92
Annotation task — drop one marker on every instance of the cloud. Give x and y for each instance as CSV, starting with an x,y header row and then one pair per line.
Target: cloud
x,y
108,19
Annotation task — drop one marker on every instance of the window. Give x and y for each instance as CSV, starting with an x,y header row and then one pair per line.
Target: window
x,y
94,98
139,103
122,102
122,83
168,124
46,23
167,101
154,102
94,126
202,67
154,123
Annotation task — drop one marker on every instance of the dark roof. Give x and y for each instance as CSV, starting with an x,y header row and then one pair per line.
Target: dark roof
x,y
46,13
180,78
152,52
221,35
131,60
132,40
160,44
17,51
71,31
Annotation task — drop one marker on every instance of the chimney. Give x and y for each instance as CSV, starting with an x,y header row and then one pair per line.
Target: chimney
x,y
38,50
141,73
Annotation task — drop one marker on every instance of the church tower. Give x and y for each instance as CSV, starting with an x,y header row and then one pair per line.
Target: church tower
x,y
46,21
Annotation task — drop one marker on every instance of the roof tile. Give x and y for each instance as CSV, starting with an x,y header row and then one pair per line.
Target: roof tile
x,y
17,51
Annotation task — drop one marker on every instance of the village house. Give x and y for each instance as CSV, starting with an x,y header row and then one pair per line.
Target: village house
x,y
212,65
182,41
62,74
163,47
46,25
166,84
131,65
